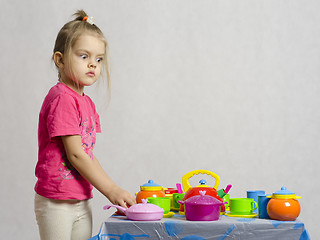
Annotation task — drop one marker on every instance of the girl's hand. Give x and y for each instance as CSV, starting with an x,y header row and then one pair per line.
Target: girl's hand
x,y
121,197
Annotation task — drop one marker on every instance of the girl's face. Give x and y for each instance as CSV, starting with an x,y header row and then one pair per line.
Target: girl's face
x,y
85,63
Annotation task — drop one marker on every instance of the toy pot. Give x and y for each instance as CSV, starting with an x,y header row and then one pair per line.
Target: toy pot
x,y
149,189
141,212
194,191
202,207
283,205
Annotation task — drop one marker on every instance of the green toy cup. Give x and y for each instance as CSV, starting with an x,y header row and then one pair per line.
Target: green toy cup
x,y
226,198
163,202
242,206
177,197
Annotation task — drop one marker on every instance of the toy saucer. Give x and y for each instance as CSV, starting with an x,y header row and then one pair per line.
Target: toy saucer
x,y
242,216
169,214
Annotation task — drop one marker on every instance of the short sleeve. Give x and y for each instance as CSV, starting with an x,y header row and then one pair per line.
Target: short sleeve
x,y
63,117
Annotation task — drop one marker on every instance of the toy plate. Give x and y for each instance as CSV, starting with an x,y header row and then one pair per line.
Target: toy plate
x,y
169,214
242,216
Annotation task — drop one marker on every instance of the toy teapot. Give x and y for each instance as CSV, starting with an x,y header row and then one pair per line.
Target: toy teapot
x,y
194,191
150,189
283,205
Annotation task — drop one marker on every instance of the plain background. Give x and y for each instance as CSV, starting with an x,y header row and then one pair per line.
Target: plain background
x,y
227,86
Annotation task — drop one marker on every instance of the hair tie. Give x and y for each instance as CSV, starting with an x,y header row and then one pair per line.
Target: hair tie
x,y
88,20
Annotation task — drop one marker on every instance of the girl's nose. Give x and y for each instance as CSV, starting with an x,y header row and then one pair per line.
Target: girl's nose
x,y
92,65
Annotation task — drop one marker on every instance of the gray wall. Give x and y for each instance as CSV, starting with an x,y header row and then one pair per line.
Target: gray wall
x,y
227,86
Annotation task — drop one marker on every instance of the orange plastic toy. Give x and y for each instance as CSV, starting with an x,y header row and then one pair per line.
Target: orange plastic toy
x,y
283,205
149,189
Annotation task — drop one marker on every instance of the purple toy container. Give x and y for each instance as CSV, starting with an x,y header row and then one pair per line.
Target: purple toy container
x,y
202,207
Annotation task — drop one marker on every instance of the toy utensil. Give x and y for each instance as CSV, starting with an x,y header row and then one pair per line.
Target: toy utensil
x,y
228,188
141,212
179,188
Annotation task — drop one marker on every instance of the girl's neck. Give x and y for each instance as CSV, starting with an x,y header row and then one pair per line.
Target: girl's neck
x,y
73,85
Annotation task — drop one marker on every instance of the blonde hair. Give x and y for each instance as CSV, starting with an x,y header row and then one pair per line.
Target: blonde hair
x,y
70,33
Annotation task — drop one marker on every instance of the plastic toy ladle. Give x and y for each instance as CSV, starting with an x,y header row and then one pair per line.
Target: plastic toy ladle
x,y
179,188
228,188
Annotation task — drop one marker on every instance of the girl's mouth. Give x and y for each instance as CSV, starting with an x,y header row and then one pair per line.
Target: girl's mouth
x,y
90,74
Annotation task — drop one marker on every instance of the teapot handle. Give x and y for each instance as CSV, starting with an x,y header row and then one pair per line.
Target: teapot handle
x,y
185,179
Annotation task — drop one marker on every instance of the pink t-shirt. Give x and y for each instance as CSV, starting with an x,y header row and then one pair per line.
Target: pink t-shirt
x,y
64,112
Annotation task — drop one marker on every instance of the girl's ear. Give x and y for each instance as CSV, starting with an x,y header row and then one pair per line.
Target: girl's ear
x,y
58,60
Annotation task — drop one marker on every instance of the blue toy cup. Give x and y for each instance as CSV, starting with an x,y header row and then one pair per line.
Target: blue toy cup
x,y
262,205
254,195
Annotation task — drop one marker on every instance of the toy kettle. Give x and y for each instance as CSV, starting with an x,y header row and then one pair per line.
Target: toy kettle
x,y
283,205
194,191
150,189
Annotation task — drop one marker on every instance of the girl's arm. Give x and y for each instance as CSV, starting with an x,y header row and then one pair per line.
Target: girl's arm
x,y
92,171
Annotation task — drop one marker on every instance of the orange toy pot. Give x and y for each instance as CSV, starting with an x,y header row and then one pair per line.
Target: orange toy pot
x,y
283,205
149,189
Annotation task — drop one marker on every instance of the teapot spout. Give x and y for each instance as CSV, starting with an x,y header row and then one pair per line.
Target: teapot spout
x,y
223,192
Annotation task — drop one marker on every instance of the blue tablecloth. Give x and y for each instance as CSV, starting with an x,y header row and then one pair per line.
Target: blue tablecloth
x,y
177,227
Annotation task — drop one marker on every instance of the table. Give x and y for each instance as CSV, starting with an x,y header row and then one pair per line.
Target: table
x,y
177,227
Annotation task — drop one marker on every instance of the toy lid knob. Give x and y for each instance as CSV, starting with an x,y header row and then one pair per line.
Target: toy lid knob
x,y
203,183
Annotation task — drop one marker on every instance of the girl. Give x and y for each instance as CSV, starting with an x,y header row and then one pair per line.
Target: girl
x,y
68,122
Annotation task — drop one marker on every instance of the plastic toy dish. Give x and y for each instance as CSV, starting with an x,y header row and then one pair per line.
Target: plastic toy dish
x,y
141,212
242,216
168,215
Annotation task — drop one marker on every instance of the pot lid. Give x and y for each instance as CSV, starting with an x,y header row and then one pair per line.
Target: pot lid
x,y
145,207
203,199
151,186
284,193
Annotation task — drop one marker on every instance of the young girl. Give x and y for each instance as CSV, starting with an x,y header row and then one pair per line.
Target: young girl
x,y
68,122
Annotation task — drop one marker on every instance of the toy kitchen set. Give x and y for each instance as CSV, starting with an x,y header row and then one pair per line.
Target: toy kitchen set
x,y
205,212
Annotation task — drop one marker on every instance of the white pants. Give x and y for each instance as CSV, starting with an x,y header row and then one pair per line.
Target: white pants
x,y
63,219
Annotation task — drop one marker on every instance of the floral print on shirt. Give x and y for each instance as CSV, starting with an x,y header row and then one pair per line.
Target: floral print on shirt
x,y
88,137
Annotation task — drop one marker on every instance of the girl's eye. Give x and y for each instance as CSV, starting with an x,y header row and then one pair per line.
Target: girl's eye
x,y
83,56
99,59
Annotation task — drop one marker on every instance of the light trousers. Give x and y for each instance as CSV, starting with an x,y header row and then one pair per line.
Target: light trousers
x,y
63,219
